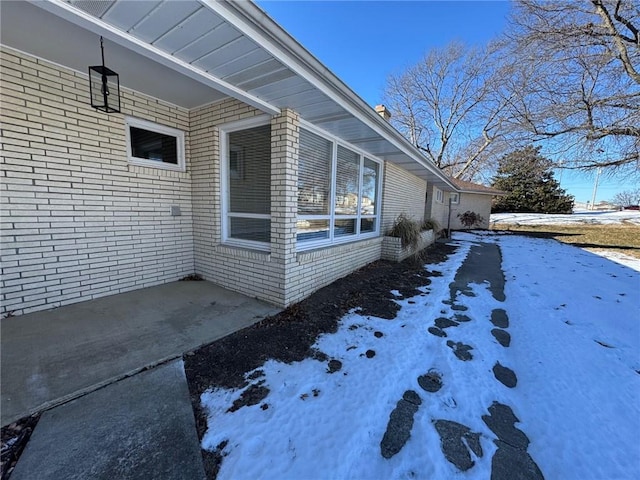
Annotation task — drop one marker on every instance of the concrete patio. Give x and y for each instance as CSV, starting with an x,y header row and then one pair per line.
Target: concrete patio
x,y
50,357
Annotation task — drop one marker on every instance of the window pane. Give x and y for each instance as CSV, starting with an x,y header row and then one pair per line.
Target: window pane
x,y
312,230
256,229
347,175
154,146
369,187
249,172
344,227
367,225
314,174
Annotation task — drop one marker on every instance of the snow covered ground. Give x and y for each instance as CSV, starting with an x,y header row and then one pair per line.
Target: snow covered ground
x,y
578,217
574,323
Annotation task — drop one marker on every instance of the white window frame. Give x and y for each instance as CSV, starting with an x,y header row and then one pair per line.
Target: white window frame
x,y
439,194
157,128
332,239
455,198
225,130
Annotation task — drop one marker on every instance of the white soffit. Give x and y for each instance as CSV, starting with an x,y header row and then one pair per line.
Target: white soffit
x,y
232,49
152,22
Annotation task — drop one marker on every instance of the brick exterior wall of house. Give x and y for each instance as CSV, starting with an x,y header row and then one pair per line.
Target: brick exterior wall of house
x,y
317,268
473,202
79,221
281,276
403,192
438,211
256,274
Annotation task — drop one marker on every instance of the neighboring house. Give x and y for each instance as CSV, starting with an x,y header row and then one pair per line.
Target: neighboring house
x,y
444,206
236,155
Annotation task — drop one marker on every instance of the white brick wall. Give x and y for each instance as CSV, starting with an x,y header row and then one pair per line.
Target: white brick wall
x,y
78,221
403,192
257,274
282,276
317,268
474,202
437,211
393,250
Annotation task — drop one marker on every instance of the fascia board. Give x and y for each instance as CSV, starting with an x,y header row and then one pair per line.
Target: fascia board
x,y
82,19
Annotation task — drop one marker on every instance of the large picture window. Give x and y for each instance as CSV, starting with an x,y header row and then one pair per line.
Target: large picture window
x,y
337,192
247,180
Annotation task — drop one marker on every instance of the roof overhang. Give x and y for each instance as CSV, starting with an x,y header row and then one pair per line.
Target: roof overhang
x,y
195,52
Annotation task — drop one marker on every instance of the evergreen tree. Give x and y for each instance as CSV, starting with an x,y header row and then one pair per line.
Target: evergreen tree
x,y
527,178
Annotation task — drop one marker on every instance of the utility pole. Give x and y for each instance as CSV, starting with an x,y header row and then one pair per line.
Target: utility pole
x,y
595,188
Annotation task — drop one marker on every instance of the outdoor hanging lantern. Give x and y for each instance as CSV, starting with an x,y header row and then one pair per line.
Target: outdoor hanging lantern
x,y
104,87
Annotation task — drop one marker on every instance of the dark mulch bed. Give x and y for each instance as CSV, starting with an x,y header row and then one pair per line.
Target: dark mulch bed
x,y
14,438
289,335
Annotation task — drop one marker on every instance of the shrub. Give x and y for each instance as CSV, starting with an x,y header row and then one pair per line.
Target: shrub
x,y
470,219
430,224
407,230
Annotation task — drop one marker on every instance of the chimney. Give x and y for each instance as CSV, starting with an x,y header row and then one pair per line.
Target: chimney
x,y
383,112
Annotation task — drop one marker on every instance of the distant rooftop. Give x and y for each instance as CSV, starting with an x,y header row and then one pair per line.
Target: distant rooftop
x,y
471,187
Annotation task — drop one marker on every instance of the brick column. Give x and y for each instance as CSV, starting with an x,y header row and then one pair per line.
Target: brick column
x,y
284,188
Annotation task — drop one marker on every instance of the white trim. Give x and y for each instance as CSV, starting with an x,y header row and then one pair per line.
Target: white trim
x,y
224,131
335,139
332,216
93,24
257,121
157,128
454,198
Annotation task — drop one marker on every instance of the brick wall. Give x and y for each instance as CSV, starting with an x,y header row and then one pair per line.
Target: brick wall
x,y
474,202
435,210
317,268
257,274
393,250
78,221
403,192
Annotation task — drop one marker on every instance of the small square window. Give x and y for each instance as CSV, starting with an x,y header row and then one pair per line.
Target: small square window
x,y
153,145
455,198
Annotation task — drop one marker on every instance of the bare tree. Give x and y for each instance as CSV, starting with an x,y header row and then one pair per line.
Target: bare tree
x,y
577,79
450,105
627,198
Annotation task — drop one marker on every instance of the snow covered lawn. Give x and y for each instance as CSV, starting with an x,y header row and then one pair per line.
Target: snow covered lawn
x,y
586,216
573,319
591,219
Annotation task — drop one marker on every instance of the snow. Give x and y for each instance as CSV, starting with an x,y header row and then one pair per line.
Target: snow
x,y
578,217
575,328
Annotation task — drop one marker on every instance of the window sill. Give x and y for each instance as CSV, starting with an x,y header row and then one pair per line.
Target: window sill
x,y
141,162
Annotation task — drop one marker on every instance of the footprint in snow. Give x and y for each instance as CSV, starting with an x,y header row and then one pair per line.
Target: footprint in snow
x,y
456,442
400,424
505,375
511,459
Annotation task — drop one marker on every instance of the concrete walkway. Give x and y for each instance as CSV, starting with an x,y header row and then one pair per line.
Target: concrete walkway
x,y
141,427
54,356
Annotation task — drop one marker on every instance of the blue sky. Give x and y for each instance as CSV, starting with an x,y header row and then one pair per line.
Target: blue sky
x,y
363,42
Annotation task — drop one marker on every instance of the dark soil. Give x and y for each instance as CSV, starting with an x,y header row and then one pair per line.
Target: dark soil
x,y
14,438
288,336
